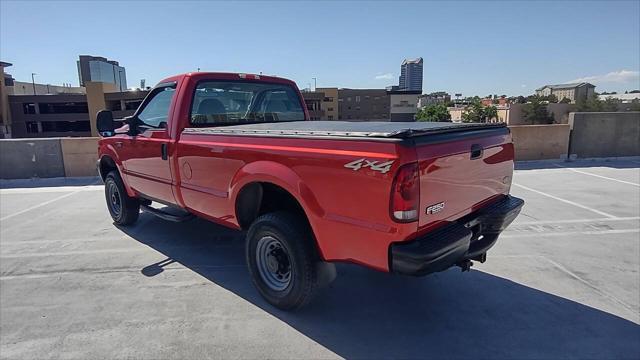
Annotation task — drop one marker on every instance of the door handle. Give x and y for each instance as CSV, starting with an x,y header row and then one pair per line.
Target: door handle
x,y
118,144
163,152
476,151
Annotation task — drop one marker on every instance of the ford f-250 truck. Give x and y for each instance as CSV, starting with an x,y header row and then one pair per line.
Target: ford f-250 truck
x,y
409,198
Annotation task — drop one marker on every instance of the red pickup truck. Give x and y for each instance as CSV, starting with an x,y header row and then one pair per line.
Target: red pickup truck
x,y
237,149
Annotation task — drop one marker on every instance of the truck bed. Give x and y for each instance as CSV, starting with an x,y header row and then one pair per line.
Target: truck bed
x,y
349,129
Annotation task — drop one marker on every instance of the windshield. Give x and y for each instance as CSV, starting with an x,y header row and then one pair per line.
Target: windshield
x,y
233,102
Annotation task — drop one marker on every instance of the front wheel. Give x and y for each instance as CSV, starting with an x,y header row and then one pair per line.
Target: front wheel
x,y
282,260
124,209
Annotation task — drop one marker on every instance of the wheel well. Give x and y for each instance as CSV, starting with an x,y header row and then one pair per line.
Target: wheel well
x,y
106,165
260,198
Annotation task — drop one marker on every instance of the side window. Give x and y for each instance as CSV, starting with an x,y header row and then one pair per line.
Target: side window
x,y
156,111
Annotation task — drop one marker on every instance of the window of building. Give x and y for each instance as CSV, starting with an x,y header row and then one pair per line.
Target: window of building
x,y
330,109
63,108
32,127
376,98
357,98
328,99
29,108
366,97
114,105
132,104
357,107
349,99
349,117
66,126
330,117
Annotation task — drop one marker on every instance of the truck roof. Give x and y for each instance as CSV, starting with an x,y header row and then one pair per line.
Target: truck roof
x,y
203,75
353,129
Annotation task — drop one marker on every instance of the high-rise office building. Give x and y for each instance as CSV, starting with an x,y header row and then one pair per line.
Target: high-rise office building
x,y
411,75
99,69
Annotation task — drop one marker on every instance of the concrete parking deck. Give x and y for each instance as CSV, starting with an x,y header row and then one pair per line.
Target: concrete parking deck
x,y
562,282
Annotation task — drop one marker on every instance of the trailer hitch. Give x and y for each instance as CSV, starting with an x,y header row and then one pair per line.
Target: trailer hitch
x,y
465,265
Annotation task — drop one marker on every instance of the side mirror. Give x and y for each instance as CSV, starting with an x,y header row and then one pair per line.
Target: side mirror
x,y
133,123
104,122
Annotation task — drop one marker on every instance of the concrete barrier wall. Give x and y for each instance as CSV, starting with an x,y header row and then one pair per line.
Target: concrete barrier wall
x,y
79,156
27,158
539,142
592,135
604,134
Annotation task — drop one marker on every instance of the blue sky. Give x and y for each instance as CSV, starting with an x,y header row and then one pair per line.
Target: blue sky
x,y
474,48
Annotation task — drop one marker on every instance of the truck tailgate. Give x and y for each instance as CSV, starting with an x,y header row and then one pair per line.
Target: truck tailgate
x,y
462,171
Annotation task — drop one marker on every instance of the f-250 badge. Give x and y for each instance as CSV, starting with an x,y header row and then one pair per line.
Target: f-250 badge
x,y
383,167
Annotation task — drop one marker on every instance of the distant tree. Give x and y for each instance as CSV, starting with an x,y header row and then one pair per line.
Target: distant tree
x,y
490,113
610,104
478,113
596,105
633,92
535,111
551,98
521,99
565,101
436,112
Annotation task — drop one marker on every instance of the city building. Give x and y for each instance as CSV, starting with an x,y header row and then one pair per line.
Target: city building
x,y
313,100
5,114
411,75
329,103
60,111
403,104
623,98
29,88
363,104
434,98
574,92
100,69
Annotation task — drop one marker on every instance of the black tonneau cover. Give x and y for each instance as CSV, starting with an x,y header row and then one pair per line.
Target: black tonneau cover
x,y
367,129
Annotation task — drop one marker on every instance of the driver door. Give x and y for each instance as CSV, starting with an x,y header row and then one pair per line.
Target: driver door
x,y
146,155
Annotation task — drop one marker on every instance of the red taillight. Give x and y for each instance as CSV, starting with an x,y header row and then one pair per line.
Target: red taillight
x,y
405,194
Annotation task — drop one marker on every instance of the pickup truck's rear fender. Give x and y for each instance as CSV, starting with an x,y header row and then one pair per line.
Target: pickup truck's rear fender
x,y
279,175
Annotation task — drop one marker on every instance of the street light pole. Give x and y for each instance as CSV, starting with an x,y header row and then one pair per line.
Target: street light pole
x,y
33,82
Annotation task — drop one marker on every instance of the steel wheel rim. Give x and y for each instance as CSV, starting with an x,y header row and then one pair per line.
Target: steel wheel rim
x,y
273,263
114,199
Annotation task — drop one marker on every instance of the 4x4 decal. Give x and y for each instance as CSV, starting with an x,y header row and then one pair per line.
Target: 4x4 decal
x,y
383,167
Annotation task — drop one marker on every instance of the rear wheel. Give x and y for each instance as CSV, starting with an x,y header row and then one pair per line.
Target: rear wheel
x,y
124,209
282,259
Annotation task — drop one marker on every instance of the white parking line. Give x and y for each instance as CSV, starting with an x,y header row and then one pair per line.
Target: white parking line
x,y
39,205
39,190
572,221
566,201
565,233
599,176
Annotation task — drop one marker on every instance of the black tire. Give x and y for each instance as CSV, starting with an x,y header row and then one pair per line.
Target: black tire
x,y
294,236
124,209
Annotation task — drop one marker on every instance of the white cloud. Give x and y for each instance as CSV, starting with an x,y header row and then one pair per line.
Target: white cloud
x,y
621,76
387,76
